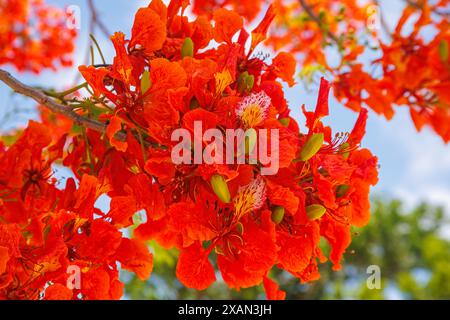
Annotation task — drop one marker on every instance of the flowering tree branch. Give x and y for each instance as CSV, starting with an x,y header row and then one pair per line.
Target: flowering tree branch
x,y
40,97
317,20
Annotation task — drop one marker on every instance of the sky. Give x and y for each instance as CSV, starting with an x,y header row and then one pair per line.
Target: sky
x,y
414,167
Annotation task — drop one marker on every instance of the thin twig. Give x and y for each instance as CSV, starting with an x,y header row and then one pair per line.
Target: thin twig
x,y
62,95
98,48
94,22
383,21
317,20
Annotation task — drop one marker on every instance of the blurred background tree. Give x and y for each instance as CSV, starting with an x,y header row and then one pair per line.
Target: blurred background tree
x,y
410,247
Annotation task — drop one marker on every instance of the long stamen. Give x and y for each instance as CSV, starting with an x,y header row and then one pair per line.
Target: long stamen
x,y
339,144
223,80
249,198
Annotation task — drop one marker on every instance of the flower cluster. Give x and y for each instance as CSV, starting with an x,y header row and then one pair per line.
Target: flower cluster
x,y
226,217
45,231
372,65
414,72
34,35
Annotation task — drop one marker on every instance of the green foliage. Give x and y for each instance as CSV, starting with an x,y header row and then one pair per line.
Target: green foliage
x,y
409,247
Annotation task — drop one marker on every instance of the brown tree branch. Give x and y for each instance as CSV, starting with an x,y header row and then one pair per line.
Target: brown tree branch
x,y
40,97
317,20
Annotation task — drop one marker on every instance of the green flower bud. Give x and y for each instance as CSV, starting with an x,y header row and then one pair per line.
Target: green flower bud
x,y
277,214
443,50
249,82
284,121
146,82
312,146
194,104
250,140
240,228
341,190
220,188
245,82
315,211
241,81
187,49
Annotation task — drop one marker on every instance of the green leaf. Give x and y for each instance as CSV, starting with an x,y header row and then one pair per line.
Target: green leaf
x,y
76,129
